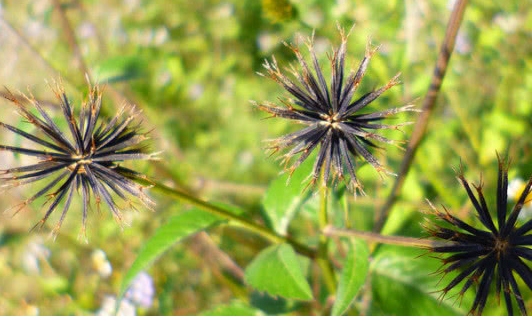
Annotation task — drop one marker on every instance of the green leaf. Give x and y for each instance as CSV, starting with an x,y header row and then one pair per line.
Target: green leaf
x,y
234,309
176,229
283,200
272,305
353,276
403,285
120,68
277,271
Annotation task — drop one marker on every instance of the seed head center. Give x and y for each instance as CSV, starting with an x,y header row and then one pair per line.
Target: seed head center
x,y
331,121
500,246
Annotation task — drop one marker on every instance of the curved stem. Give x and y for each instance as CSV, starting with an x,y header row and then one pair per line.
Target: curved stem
x,y
231,216
323,261
428,106
382,239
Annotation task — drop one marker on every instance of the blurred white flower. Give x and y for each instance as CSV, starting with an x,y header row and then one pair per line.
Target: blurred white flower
x,y
321,45
151,37
515,189
109,305
463,44
508,23
223,11
245,159
450,4
39,7
86,30
314,18
163,78
34,252
131,5
341,8
267,41
195,91
141,291
160,36
101,264
34,28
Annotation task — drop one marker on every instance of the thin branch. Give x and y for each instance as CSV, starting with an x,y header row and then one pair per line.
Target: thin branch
x,y
204,184
71,38
32,48
323,261
219,256
229,215
428,106
382,239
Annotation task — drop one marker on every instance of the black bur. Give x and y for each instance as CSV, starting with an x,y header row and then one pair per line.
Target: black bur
x,y
86,160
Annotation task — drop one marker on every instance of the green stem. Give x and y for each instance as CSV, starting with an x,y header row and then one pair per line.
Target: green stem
x,y
241,221
322,259
384,239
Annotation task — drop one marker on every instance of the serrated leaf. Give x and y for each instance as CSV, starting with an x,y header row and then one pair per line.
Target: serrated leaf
x,y
282,200
403,285
234,309
176,229
354,273
277,271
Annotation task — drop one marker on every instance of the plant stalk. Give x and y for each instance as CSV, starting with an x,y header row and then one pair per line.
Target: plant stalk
x,y
322,259
223,213
382,239
428,106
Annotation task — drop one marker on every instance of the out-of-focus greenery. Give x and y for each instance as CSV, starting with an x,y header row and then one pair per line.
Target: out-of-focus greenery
x,y
190,66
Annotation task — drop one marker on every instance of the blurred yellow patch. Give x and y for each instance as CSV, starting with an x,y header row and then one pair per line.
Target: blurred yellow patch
x,y
520,191
277,10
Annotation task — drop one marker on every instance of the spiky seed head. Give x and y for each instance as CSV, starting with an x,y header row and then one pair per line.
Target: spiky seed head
x,y
496,253
334,123
85,159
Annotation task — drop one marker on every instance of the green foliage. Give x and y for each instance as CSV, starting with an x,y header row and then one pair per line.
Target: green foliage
x,y
353,276
175,230
234,309
120,68
406,287
190,66
277,271
284,199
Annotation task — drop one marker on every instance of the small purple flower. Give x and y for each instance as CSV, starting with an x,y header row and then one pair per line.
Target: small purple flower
x,y
141,291
463,43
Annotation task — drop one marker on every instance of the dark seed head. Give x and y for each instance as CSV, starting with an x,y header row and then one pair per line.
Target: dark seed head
x,y
495,253
86,158
334,122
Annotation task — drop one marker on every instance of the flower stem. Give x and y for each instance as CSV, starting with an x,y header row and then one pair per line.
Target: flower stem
x,y
382,239
231,216
322,259
428,106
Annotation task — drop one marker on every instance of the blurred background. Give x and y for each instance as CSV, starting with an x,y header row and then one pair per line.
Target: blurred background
x,y
191,67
